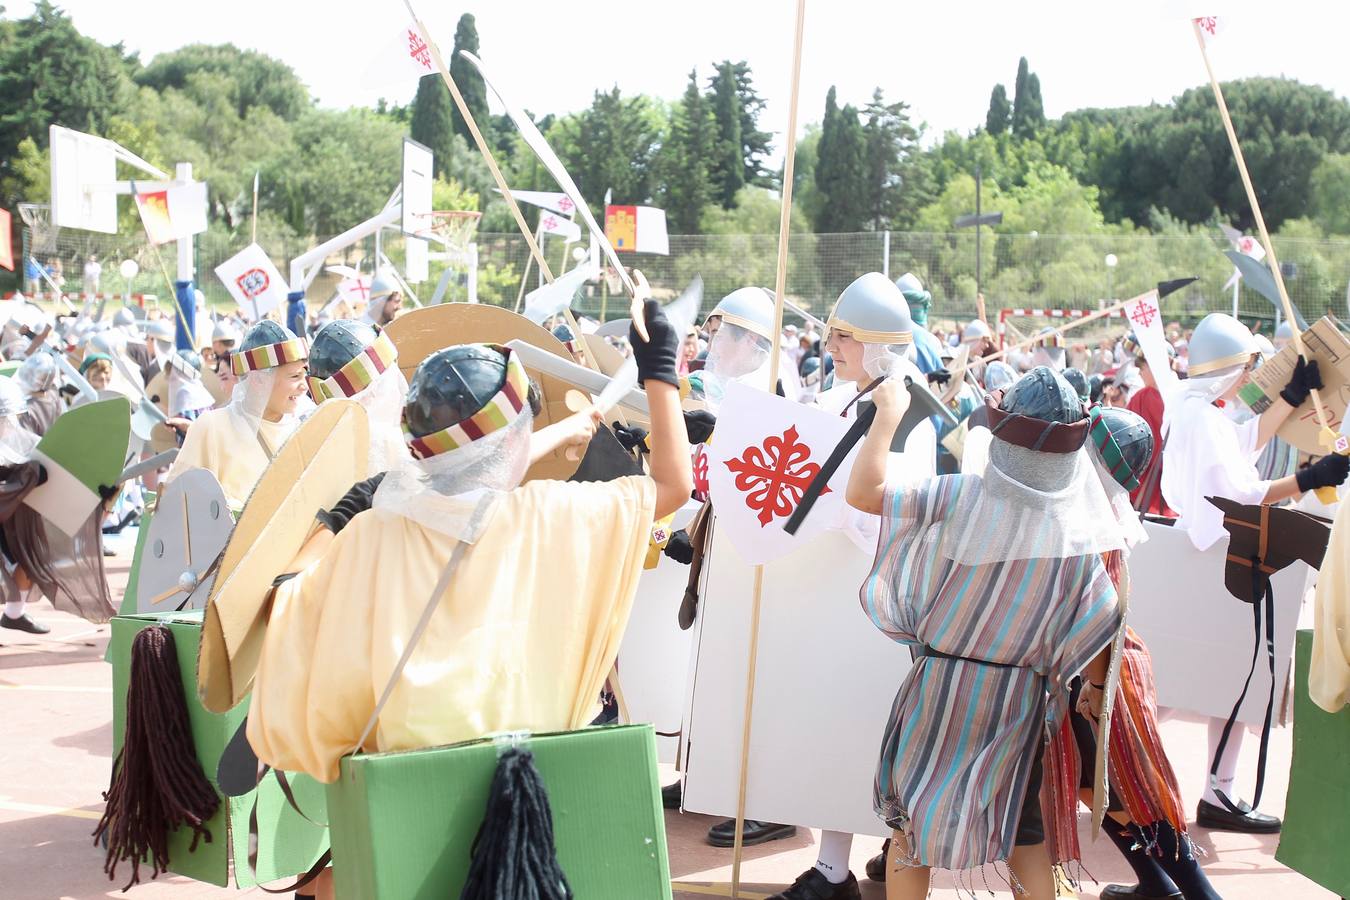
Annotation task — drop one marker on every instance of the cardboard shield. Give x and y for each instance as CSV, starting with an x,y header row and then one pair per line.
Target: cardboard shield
x,y
422,332
189,531
314,468
84,449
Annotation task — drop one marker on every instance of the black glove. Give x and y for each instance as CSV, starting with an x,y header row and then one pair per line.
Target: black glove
x,y
698,424
1302,382
679,548
104,491
940,377
1329,471
656,358
356,500
68,390
630,438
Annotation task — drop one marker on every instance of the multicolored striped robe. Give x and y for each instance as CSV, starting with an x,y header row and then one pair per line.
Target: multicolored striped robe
x,y
963,735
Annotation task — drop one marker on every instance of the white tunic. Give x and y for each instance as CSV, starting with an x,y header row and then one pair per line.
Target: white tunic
x,y
1207,455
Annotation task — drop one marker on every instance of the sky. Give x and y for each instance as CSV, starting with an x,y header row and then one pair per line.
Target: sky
x,y
942,58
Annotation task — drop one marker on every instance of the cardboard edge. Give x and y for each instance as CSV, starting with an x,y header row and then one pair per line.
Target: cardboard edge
x,y
63,499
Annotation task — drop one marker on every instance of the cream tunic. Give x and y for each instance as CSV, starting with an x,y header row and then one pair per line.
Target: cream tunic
x,y
522,640
219,443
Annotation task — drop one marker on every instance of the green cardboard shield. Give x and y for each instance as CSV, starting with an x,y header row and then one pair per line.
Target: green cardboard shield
x,y
85,447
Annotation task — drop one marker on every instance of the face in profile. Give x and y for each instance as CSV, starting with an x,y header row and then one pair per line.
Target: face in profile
x,y
287,387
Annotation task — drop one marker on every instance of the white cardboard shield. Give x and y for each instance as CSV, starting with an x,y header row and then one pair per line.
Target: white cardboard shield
x,y
189,530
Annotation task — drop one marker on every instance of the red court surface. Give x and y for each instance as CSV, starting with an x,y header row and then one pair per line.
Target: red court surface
x,y
55,702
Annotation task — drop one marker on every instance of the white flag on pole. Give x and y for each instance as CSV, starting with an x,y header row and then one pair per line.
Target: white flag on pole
x,y
553,201
1210,26
403,59
1247,246
1145,316
766,452
552,223
253,281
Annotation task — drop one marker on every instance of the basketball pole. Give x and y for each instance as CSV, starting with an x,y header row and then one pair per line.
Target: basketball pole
x,y
779,294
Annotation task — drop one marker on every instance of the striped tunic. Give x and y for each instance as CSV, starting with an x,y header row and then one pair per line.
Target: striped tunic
x,y
963,736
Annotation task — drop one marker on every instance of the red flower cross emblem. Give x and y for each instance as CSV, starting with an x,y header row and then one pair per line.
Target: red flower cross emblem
x,y
775,475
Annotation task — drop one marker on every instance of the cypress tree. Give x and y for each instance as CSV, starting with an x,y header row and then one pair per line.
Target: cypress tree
x,y
431,123
467,79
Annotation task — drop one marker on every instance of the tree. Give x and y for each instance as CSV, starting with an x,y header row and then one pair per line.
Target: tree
x,y
432,121
1000,112
841,170
754,143
895,177
1331,193
253,79
467,79
727,159
1028,112
687,159
612,145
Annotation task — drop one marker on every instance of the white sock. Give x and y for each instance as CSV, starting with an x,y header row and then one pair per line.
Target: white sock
x,y
13,608
833,859
1228,763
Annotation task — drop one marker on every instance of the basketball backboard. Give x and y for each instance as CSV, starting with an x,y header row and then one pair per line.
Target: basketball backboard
x,y
418,176
80,161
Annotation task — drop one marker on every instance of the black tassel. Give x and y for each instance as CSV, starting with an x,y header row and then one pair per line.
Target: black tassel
x,y
157,784
513,856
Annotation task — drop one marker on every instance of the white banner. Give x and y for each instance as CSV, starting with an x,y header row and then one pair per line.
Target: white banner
x,y
765,452
1145,317
552,223
553,201
253,281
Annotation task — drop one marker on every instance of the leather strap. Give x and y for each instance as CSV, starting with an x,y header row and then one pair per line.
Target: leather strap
x,y
1037,434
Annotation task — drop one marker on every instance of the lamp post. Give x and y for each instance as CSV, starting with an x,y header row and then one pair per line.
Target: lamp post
x,y
979,218
128,269
1110,268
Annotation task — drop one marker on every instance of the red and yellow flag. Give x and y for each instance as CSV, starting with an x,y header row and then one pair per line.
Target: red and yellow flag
x,y
621,227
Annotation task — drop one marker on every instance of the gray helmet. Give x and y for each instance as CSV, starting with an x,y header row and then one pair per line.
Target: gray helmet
x,y
1078,381
264,334
1096,384
916,297
123,318
225,331
452,385
998,374
187,363
749,307
873,310
13,402
1285,332
337,344
975,331
1124,443
1220,342
382,285
1043,394
909,282
37,373
563,333
161,330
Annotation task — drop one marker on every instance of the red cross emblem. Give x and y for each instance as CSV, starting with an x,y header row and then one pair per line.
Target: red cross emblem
x,y
775,475
1144,314
700,470
1208,24
550,223
253,282
418,50
565,204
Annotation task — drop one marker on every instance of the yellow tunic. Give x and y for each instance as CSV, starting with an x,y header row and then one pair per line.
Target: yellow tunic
x,y
1329,672
522,640
216,442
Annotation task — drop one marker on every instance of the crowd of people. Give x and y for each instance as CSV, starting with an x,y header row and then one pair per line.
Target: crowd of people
x,y
1055,452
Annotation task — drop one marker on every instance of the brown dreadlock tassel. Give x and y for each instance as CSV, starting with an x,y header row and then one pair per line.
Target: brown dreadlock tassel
x,y
158,784
513,856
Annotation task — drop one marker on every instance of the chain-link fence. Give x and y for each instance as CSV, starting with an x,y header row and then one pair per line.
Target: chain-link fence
x,y
1015,270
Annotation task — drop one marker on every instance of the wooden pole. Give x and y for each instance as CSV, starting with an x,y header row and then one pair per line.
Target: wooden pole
x,y
779,293
255,210
1328,435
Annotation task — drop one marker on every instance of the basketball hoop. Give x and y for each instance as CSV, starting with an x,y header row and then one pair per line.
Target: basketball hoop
x,y
455,229
38,218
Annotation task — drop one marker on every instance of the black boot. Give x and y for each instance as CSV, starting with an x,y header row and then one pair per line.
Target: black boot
x,y
1153,881
812,885
876,866
1181,866
672,795
723,834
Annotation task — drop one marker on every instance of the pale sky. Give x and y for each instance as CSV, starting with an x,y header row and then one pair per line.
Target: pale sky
x,y
942,58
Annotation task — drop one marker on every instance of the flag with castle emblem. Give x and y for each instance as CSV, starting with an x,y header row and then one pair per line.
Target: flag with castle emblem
x,y
763,455
637,229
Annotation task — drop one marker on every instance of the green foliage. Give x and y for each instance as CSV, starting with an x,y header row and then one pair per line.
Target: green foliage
x,y
754,142
997,120
685,160
727,154
898,179
432,121
467,79
1331,193
611,146
251,78
841,170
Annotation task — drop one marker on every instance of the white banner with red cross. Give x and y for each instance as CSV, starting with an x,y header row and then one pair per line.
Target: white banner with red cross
x,y
1145,317
760,460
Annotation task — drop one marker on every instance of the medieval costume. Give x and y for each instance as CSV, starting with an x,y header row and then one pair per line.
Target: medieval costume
x,y
997,581
37,376
386,296
235,443
349,359
1208,454
529,585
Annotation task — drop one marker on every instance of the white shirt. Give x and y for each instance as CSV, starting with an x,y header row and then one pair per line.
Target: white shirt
x,y
1208,455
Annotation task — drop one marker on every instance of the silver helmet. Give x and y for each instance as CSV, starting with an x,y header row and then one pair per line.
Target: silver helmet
x,y
1220,342
749,307
382,285
873,310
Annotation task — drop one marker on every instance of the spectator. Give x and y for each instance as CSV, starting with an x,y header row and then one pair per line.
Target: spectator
x,y
93,274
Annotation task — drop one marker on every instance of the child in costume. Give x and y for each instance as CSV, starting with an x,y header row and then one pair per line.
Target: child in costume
x,y
350,359
236,442
1207,454
997,582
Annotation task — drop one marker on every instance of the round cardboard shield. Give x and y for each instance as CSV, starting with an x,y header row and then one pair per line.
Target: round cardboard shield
x,y
422,332
314,468
188,532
